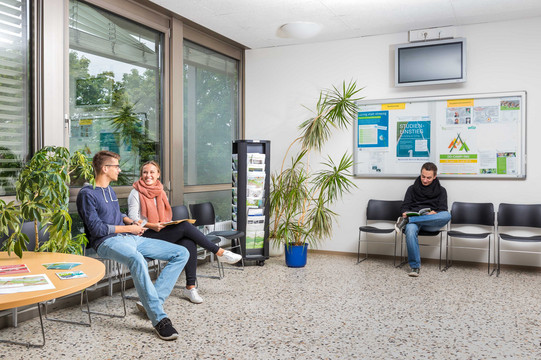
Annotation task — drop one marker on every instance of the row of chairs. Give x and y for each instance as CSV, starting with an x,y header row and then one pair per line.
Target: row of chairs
x,y
464,215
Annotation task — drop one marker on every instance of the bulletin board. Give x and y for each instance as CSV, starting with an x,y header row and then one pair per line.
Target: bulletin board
x,y
476,135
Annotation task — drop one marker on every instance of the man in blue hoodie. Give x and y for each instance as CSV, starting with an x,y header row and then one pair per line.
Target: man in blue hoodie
x,y
115,236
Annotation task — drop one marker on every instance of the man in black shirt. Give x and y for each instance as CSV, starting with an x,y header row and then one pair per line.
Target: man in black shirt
x,y
425,193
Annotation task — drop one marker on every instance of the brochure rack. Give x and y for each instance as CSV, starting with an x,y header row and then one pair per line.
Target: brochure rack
x,y
251,181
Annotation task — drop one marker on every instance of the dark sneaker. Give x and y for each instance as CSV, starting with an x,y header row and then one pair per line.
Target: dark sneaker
x,y
401,223
165,330
414,272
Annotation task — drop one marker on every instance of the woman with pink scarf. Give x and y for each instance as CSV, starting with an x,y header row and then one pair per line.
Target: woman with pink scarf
x,y
148,206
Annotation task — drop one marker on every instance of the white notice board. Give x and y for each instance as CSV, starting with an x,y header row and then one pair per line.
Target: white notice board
x,y
476,135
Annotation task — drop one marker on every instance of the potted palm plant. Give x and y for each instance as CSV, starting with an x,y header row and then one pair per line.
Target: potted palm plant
x,y
301,198
42,192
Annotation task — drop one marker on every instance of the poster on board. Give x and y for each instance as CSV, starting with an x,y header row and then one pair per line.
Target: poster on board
x,y
481,135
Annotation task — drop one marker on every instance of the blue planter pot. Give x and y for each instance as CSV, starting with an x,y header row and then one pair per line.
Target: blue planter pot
x,y
296,255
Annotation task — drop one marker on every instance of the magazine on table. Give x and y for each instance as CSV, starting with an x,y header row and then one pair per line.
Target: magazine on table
x,y
63,265
24,283
71,275
13,269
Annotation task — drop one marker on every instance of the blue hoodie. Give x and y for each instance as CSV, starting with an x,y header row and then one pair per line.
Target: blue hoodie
x,y
98,208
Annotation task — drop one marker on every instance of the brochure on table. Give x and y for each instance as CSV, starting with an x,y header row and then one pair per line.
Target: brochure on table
x,y
24,283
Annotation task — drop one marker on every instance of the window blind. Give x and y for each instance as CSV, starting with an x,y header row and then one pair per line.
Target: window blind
x,y
14,91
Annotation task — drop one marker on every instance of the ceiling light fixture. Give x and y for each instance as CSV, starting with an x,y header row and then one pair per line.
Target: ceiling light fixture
x,y
300,30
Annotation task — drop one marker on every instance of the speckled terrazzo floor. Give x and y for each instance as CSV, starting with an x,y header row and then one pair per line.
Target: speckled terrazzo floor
x,y
331,309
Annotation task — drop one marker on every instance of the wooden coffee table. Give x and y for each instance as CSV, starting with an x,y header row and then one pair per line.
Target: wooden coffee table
x,y
94,269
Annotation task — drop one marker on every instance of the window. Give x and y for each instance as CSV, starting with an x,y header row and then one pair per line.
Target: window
x,y
15,98
115,87
211,120
211,115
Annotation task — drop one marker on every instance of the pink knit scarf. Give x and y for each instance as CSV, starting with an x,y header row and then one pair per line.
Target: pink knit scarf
x,y
159,212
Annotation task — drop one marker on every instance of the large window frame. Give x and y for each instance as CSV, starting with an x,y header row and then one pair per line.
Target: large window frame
x,y
49,122
196,36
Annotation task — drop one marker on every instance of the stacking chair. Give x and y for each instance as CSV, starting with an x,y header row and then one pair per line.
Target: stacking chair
x,y
203,214
465,213
114,273
181,212
518,215
379,211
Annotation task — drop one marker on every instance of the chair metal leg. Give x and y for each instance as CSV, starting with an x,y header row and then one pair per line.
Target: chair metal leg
x,y
403,262
89,323
490,273
499,261
122,281
359,260
28,344
238,245
448,259
441,240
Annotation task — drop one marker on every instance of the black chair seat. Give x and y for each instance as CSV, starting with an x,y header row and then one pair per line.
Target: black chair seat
x,y
228,234
535,238
429,233
460,234
375,230
214,239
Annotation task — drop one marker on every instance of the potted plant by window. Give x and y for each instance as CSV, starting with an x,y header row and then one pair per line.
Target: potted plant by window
x,y
42,192
301,198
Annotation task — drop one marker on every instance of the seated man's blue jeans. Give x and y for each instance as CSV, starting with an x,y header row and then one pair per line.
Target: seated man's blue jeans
x,y
427,223
131,250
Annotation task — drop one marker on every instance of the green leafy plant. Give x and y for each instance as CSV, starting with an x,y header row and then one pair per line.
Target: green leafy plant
x,y
43,197
300,198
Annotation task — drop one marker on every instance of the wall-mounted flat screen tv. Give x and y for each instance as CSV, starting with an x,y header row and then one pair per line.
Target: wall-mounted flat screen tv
x,y
429,63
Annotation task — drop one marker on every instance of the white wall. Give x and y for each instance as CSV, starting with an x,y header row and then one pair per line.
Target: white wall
x,y
502,57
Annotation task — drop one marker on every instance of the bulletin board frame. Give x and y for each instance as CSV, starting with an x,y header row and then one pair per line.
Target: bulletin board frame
x,y
466,136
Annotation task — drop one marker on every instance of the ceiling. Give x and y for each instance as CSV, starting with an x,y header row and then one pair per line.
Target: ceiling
x,y
255,23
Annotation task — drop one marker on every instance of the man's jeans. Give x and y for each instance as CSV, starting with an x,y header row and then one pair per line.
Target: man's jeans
x,y
427,223
131,250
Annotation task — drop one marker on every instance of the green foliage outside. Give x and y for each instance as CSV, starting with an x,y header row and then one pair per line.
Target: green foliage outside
x,y
117,113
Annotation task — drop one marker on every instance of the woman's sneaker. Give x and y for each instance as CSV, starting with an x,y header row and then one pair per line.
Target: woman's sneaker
x,y
165,330
229,257
192,295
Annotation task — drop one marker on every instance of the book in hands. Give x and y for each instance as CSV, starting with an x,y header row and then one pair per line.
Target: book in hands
x,y
71,275
418,213
174,222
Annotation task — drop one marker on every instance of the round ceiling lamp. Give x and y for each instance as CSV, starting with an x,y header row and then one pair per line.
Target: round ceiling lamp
x,y
300,29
